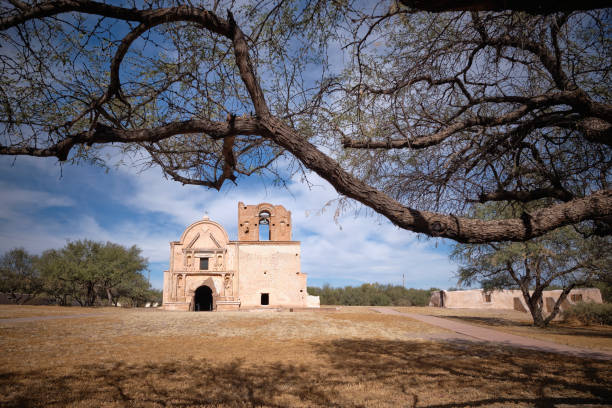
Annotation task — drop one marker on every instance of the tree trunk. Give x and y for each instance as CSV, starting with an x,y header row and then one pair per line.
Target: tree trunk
x,y
91,294
557,306
535,305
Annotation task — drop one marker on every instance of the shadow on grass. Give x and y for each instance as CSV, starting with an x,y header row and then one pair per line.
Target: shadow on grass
x,y
347,373
470,374
554,328
490,321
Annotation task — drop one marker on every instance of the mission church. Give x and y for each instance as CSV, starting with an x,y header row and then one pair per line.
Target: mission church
x,y
260,270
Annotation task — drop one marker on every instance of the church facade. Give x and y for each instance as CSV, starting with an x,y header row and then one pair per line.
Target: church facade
x,y
261,269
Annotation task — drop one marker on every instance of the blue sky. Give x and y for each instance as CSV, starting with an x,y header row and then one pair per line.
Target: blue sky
x,y
43,205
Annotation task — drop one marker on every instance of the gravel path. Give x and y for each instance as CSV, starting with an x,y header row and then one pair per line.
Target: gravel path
x,y
469,331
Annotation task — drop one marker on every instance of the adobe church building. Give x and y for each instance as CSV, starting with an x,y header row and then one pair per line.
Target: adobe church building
x,y
210,272
508,299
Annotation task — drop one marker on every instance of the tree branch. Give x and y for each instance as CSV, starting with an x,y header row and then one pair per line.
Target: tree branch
x,y
460,229
105,134
533,7
525,196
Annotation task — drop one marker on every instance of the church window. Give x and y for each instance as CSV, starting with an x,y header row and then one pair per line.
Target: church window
x,y
487,297
203,264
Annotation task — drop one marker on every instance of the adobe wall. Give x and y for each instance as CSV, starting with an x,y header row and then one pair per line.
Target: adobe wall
x,y
508,299
238,272
475,299
272,268
249,222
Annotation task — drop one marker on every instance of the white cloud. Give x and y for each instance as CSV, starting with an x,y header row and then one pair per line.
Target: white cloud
x,y
15,199
351,248
347,249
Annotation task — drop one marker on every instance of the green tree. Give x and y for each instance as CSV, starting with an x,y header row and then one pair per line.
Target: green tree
x,y
562,258
427,114
57,281
84,270
120,270
19,277
134,291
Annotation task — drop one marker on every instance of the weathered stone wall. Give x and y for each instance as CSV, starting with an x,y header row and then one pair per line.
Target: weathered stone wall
x,y
507,299
249,219
238,272
272,268
313,301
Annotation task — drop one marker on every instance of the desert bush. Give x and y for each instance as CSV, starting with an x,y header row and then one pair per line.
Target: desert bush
x,y
589,313
374,294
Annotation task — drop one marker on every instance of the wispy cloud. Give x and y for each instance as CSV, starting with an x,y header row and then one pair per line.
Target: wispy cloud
x,y
129,207
15,200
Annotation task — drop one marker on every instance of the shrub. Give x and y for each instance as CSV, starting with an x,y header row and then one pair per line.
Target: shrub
x,y
589,313
372,294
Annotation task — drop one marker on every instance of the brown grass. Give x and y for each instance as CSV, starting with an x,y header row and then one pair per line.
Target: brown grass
x,y
13,311
351,358
511,321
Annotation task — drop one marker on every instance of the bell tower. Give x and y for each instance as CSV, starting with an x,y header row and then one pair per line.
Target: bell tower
x,y
253,219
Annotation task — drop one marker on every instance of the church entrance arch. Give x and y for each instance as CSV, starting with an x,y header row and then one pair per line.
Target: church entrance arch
x,y
203,299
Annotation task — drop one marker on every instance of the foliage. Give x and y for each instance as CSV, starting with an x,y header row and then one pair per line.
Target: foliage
x,y
605,287
19,278
374,294
84,272
415,115
562,258
589,313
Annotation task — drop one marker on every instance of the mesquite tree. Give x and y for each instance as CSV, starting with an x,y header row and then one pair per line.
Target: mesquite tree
x,y
19,277
423,116
562,258
84,271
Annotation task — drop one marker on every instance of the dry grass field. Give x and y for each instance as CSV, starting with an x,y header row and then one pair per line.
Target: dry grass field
x,y
510,321
349,358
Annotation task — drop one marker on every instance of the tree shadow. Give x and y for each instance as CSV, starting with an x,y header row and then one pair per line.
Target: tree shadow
x,y
553,328
490,321
181,384
493,374
348,373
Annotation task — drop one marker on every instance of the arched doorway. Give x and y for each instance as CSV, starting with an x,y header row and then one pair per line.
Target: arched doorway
x,y
203,299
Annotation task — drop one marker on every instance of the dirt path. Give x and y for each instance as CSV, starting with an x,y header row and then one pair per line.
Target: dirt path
x,y
495,336
37,318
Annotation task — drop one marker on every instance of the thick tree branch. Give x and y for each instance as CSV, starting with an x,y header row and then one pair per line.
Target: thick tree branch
x,y
105,134
460,229
149,17
596,205
525,196
533,7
